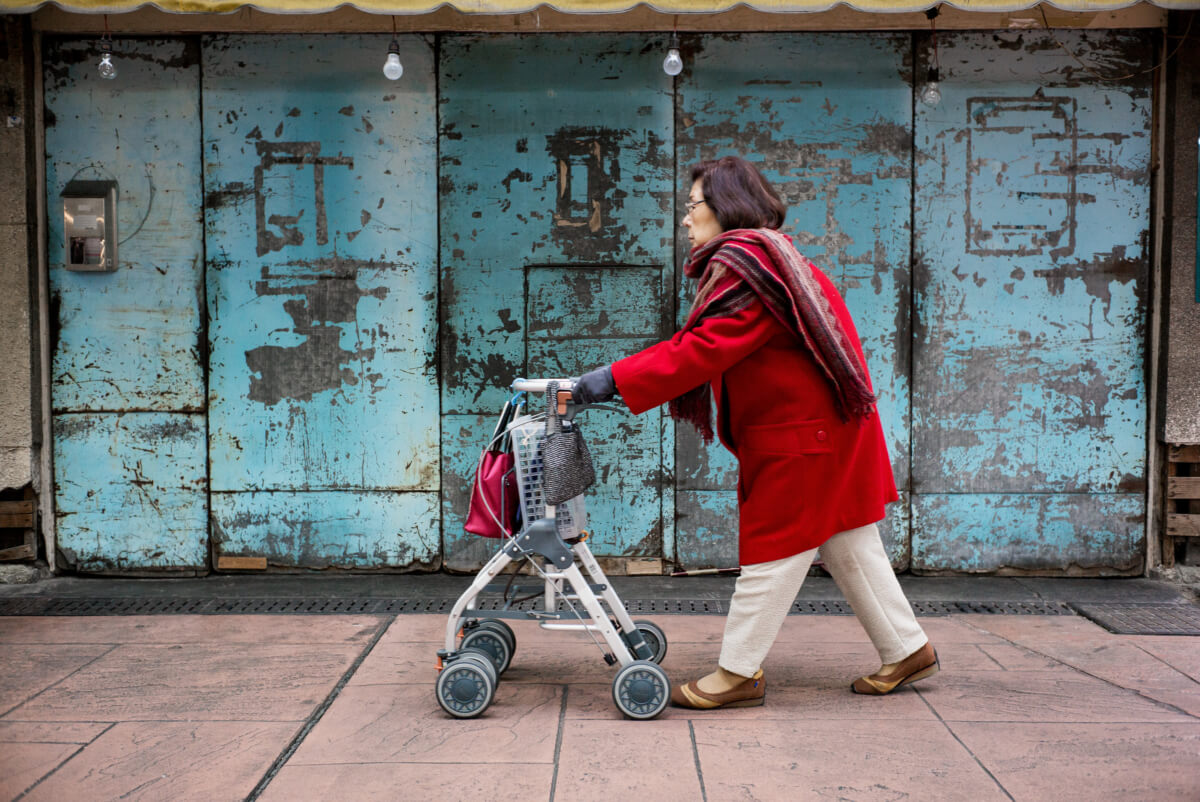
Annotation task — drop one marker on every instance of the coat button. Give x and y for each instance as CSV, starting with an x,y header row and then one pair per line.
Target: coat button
x,y
822,436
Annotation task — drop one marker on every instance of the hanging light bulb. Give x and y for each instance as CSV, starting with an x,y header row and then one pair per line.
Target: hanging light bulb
x,y
931,93
392,68
673,64
107,69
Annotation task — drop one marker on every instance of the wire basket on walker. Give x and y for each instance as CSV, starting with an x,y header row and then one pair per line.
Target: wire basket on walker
x,y
553,540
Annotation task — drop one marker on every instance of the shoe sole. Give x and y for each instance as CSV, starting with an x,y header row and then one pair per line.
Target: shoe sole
x,y
741,703
924,673
756,702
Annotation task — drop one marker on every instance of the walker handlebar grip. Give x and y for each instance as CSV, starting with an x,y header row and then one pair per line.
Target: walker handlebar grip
x,y
539,385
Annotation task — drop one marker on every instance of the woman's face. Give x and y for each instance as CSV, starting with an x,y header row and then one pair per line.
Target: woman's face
x,y
700,221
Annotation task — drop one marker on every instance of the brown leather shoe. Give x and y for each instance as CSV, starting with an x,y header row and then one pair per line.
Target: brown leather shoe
x,y
749,693
920,664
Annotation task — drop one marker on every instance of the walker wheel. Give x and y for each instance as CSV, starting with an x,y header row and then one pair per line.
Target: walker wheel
x,y
483,659
492,643
655,638
465,689
641,689
503,628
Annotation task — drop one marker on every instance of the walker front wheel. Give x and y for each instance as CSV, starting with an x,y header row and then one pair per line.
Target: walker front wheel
x,y
641,689
464,689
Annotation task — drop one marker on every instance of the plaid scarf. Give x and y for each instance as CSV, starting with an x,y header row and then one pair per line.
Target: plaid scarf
x,y
732,276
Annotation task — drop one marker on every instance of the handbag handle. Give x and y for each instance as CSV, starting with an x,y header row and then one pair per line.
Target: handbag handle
x,y
500,434
552,423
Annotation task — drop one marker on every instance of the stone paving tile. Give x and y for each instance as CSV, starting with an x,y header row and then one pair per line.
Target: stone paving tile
x,y
1037,696
1122,663
398,662
1035,628
67,732
23,764
626,760
1181,653
960,629
28,669
821,760
1089,762
191,629
403,723
410,628
388,782
203,761
279,682
1016,658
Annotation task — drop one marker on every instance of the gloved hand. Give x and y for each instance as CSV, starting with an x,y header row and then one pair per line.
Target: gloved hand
x,y
594,387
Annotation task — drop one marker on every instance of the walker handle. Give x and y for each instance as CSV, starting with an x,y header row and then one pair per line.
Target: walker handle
x,y
539,385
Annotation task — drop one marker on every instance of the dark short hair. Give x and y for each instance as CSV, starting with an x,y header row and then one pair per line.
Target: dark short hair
x,y
738,194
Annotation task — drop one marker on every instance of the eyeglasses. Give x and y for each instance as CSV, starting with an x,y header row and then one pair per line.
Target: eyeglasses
x,y
691,207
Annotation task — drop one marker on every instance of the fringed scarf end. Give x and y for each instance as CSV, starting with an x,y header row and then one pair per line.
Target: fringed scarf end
x,y
695,407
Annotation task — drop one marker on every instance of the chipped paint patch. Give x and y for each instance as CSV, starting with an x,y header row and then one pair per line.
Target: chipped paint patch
x,y
1031,273
322,303
130,491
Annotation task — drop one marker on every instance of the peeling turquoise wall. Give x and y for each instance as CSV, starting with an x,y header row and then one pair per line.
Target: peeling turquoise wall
x,y
328,279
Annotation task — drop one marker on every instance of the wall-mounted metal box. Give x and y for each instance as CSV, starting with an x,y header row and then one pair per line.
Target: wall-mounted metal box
x,y
90,225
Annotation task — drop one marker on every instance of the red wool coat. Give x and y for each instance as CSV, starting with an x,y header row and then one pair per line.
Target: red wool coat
x,y
804,474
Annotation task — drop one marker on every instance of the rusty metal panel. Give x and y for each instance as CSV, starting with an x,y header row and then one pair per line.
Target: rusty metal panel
x,y
1081,534
828,118
129,339
556,185
130,491
335,529
1031,246
706,530
321,241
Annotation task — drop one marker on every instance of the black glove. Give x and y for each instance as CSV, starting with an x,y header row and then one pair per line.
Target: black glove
x,y
594,387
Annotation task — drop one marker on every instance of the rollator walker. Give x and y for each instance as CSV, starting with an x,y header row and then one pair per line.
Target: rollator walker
x,y
552,540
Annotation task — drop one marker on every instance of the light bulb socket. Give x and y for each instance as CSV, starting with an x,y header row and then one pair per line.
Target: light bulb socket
x,y
674,45
106,44
932,76
394,47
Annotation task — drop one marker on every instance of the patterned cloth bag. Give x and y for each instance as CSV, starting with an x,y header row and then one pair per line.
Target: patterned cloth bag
x,y
566,464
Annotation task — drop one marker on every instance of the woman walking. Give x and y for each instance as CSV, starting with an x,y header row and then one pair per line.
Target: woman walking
x,y
770,340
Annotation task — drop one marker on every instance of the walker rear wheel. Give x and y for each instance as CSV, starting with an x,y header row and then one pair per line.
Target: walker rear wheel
x,y
504,629
641,689
483,659
655,638
491,642
465,689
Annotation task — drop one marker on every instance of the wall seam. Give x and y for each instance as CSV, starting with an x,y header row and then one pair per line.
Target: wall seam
x,y
204,347
46,500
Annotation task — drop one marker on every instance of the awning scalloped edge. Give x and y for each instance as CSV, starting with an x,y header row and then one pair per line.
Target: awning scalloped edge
x,y
412,7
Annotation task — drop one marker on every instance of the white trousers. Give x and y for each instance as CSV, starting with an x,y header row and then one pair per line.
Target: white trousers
x,y
764,594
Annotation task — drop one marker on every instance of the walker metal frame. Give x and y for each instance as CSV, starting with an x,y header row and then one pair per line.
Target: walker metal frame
x,y
553,540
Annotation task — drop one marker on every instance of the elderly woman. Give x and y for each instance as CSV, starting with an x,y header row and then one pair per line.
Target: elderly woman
x,y
770,340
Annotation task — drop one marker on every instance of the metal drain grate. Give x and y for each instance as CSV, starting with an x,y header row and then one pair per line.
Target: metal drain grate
x,y
1144,619
385,606
992,608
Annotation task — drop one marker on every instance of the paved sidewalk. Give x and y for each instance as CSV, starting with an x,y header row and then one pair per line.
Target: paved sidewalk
x,y
176,707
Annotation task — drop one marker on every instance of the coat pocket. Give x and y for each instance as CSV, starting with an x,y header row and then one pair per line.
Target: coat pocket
x,y
794,437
